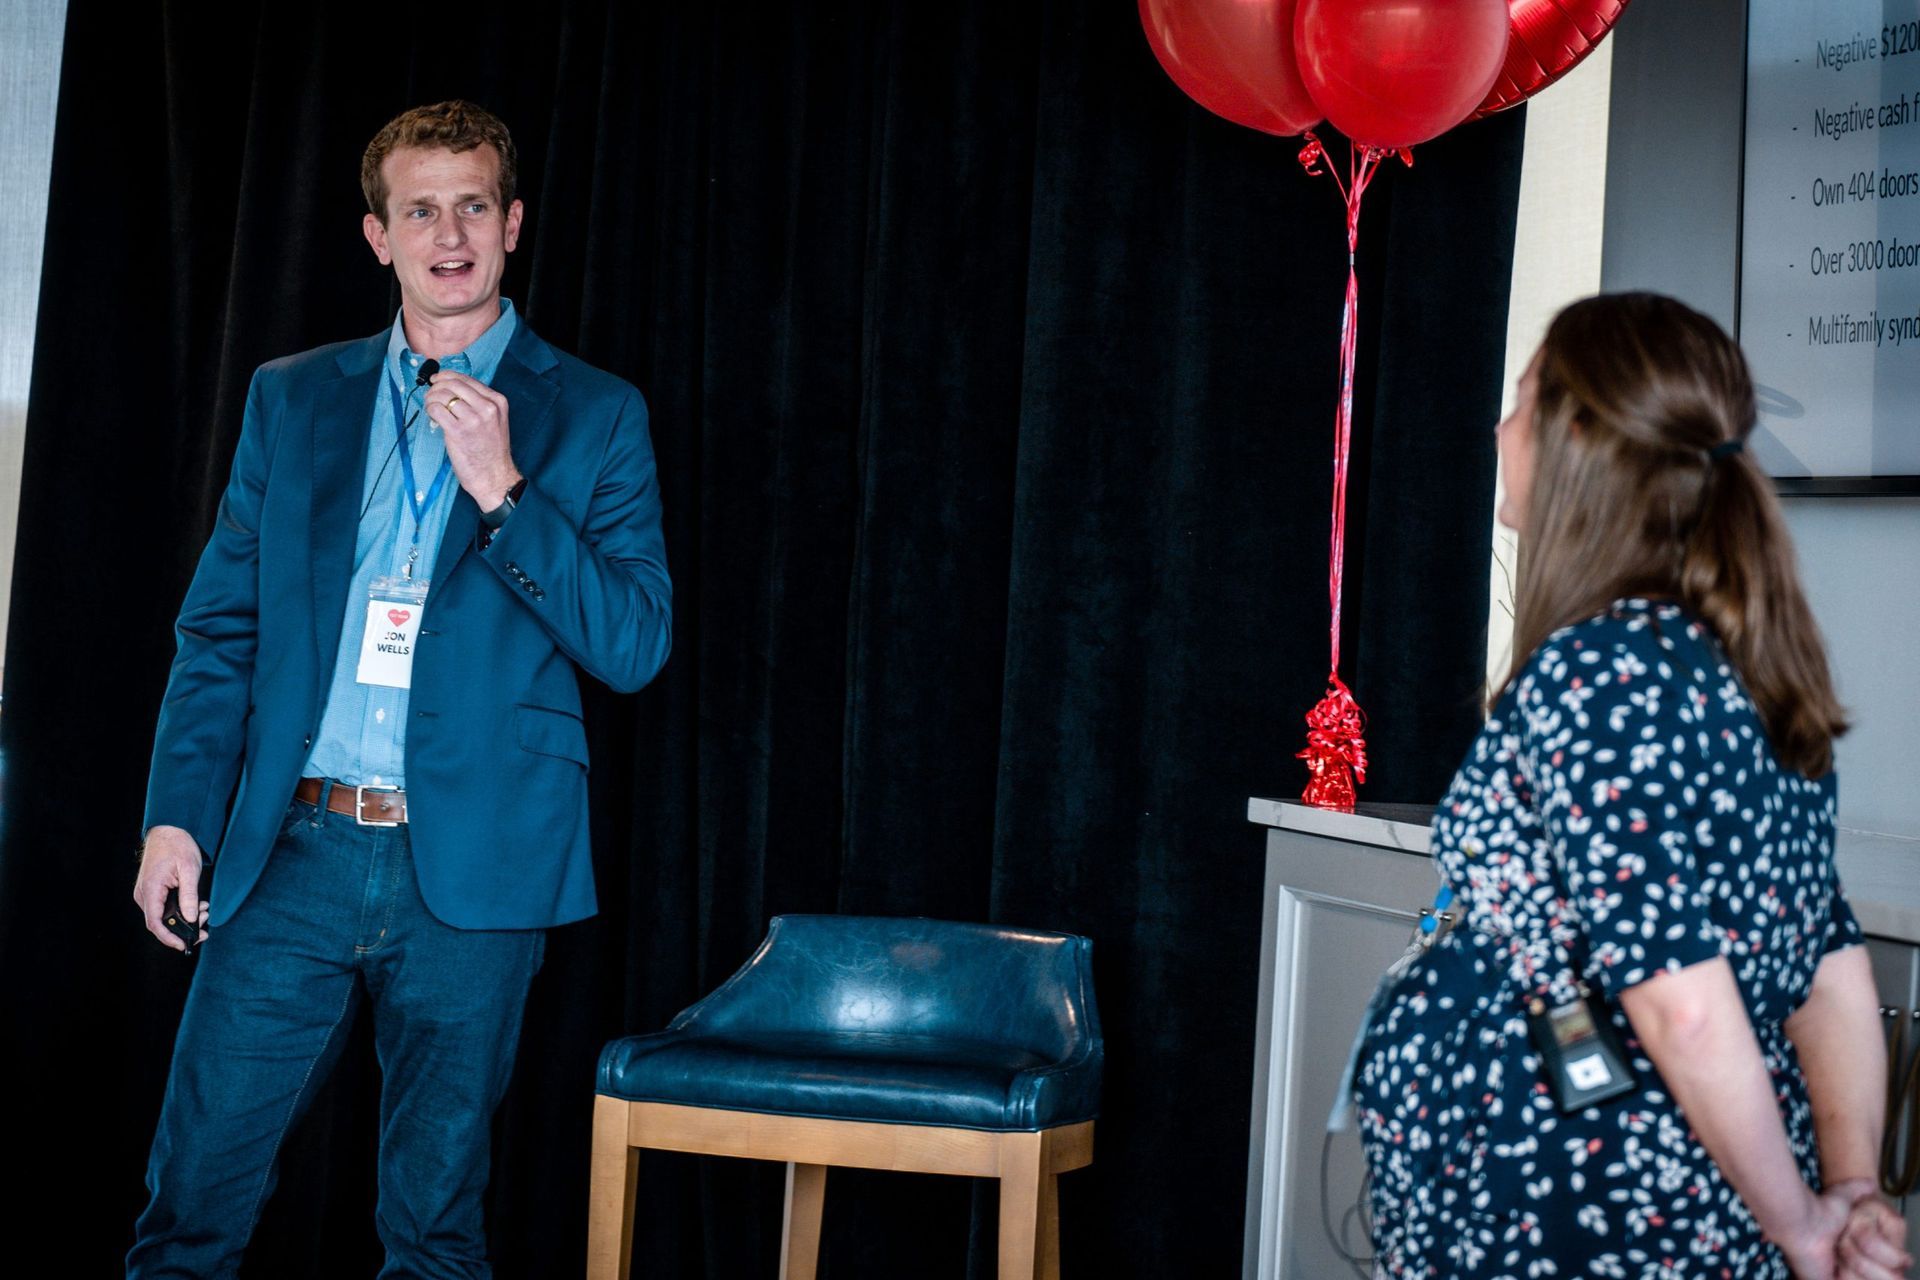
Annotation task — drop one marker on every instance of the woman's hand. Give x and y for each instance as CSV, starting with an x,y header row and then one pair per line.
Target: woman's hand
x,y
1872,1243
1812,1248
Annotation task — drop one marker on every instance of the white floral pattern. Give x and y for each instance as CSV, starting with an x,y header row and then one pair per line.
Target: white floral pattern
x,y
1623,805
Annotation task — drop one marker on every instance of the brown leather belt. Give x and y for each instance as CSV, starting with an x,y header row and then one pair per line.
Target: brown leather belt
x,y
369,806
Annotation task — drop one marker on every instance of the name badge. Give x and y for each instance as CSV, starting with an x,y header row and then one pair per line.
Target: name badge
x,y
394,609
1580,1053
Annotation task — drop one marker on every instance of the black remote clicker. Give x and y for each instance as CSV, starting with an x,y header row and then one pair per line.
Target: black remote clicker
x,y
179,925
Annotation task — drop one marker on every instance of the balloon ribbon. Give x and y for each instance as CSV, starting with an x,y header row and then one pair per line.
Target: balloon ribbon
x,y
1336,751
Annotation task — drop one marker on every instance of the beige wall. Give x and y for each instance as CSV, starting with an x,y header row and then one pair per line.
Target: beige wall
x,y
1556,259
30,43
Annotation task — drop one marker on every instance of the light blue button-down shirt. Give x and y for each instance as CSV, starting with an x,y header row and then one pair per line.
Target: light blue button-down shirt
x,y
363,731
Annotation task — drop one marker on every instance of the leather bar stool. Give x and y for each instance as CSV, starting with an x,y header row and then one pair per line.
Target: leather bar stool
x,y
875,1043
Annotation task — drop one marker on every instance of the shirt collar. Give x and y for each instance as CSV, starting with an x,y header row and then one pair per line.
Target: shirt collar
x,y
479,361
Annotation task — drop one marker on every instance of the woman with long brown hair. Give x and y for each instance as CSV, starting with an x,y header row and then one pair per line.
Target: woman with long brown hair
x,y
1650,1045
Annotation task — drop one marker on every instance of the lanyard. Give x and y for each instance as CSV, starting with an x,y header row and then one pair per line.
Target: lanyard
x,y
418,507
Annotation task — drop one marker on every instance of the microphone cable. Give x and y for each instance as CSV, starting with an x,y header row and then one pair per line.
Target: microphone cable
x,y
427,370
1362,1265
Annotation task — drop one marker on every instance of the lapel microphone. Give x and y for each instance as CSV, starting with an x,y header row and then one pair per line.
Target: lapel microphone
x,y
427,369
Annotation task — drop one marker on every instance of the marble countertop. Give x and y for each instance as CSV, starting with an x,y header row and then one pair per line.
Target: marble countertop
x,y
1881,872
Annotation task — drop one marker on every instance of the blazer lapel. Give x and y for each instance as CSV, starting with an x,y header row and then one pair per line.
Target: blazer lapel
x,y
526,378
342,418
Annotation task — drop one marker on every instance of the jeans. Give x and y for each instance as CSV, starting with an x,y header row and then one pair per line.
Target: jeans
x,y
336,919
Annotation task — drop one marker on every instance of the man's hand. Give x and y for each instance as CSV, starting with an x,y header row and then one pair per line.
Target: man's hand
x,y
170,860
474,417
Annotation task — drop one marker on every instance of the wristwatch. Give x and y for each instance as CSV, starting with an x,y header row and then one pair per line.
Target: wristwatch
x,y
498,516
490,521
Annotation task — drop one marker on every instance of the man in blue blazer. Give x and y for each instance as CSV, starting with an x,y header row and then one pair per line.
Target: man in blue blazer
x,y
372,728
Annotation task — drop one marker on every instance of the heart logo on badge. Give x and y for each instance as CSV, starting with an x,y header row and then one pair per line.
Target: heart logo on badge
x,y
398,617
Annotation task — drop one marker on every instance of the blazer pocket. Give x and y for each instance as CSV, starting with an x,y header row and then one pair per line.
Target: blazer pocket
x,y
551,732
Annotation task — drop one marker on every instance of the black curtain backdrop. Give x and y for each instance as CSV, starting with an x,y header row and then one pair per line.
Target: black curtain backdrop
x,y
992,386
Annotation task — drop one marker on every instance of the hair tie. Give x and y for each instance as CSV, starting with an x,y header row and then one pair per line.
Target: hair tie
x,y
1726,449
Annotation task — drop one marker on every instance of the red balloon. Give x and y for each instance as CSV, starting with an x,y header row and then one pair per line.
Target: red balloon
x,y
1233,57
1549,38
1391,73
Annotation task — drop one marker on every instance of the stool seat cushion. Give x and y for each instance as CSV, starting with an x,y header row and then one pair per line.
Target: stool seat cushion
x,y
851,1075
891,1020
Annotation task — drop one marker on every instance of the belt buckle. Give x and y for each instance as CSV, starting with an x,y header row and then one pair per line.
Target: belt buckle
x,y
360,806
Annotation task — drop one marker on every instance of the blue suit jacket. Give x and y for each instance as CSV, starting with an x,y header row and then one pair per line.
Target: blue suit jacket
x,y
496,756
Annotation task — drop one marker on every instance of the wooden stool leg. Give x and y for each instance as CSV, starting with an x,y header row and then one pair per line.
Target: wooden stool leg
x,y
1047,1265
1020,1179
613,1180
800,1230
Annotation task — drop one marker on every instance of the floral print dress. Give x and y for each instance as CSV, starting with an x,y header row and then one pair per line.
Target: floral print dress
x,y
1622,810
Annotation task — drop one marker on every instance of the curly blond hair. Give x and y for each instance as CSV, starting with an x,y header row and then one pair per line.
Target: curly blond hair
x,y
455,125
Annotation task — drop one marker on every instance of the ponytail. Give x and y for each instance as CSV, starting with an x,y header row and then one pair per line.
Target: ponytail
x,y
1738,574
